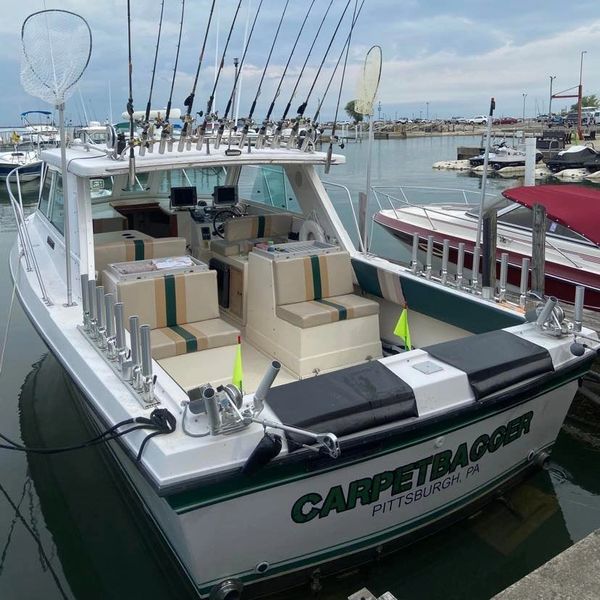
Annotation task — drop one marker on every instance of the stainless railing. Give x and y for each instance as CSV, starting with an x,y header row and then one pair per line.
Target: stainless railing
x,y
22,231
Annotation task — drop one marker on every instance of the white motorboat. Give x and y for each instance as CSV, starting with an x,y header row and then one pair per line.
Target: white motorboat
x,y
28,161
338,440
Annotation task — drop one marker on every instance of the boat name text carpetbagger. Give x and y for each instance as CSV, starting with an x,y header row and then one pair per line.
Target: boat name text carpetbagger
x,y
433,468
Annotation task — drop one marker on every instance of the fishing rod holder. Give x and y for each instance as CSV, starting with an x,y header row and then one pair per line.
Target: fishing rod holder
x,y
85,305
524,286
460,265
111,341
414,263
147,377
100,318
429,257
135,367
445,257
551,318
503,276
122,354
475,268
91,297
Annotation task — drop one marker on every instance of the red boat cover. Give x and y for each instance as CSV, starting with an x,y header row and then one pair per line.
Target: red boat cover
x,y
574,206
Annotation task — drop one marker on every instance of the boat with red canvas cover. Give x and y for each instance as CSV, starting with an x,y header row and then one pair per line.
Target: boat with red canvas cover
x,y
572,234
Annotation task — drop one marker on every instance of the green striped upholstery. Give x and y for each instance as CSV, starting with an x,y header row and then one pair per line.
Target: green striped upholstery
x,y
261,226
320,312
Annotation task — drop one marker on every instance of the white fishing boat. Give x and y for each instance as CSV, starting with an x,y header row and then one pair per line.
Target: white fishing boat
x,y
28,161
349,449
245,362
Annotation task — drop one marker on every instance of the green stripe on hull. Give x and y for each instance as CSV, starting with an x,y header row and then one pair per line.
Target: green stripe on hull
x,y
281,474
367,278
382,536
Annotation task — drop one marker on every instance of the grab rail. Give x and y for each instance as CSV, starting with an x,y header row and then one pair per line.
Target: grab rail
x,y
23,233
349,198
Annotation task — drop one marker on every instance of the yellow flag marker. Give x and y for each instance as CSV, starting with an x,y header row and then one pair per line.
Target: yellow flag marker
x,y
402,330
237,367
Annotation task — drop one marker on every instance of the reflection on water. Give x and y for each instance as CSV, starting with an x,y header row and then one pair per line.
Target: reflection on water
x,y
69,527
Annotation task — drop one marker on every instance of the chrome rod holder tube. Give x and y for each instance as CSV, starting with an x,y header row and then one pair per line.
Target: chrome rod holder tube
x,y
445,257
265,385
120,347
475,272
429,256
136,367
100,318
212,410
503,276
524,282
414,264
460,265
111,342
92,308
546,312
147,377
579,302
85,305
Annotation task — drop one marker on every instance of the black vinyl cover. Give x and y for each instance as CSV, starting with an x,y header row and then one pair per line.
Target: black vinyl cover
x,y
494,360
343,402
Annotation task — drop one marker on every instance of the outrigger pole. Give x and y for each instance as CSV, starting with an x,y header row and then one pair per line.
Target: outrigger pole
x,y
131,181
235,81
189,101
209,104
166,126
244,133
303,106
277,134
146,126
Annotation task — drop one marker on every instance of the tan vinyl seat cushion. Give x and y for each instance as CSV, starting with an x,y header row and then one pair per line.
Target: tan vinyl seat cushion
x,y
313,277
171,299
258,226
128,245
327,310
191,337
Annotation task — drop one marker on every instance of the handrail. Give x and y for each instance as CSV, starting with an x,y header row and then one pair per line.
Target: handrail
x,y
28,252
349,196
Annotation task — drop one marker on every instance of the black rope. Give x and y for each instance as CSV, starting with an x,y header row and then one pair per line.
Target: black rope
x,y
161,420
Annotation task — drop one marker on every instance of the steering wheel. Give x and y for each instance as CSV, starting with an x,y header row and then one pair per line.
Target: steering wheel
x,y
221,216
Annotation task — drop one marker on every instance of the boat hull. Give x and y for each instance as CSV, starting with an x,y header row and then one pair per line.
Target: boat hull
x,y
298,514
560,280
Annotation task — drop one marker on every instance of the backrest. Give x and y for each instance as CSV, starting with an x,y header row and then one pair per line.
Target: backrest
x,y
171,299
258,226
124,246
312,277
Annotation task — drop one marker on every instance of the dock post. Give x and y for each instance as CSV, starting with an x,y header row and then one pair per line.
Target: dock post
x,y
530,150
538,250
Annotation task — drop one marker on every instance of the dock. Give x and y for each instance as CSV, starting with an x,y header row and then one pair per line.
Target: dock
x,y
571,574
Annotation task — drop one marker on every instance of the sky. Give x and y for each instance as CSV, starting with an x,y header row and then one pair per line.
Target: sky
x,y
440,58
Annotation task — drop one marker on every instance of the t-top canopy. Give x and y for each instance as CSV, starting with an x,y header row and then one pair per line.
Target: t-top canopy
x,y
574,206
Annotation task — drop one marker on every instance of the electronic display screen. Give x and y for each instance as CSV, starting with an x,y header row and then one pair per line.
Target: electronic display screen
x,y
184,197
225,195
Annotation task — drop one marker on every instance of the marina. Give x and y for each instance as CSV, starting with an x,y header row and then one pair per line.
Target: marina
x,y
243,367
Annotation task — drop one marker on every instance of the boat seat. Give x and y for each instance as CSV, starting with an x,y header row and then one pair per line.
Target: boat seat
x,y
128,245
258,226
182,311
304,312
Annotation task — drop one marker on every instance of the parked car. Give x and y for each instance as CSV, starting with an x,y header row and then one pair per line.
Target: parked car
x,y
456,120
478,120
541,118
505,121
557,120
587,118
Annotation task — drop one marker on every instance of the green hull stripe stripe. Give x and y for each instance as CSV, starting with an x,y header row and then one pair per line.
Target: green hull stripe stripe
x,y
367,278
191,343
139,249
261,226
342,310
195,498
316,276
170,300
385,534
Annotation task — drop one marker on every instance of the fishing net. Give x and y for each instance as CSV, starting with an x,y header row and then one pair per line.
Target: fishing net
x,y
368,83
56,49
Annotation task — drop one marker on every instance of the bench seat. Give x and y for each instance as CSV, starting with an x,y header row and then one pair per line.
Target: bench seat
x,y
327,310
191,337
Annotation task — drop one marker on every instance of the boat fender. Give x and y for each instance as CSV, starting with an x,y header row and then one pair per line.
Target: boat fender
x,y
311,231
266,450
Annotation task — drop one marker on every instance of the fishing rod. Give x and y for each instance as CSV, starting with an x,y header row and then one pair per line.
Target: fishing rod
x,y
302,107
146,128
189,101
131,180
248,121
339,98
235,81
167,131
263,129
202,128
314,123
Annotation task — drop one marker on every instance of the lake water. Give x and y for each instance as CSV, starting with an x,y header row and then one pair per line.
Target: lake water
x,y
70,529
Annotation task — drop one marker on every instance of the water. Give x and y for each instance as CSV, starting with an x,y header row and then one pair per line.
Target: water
x,y
70,529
